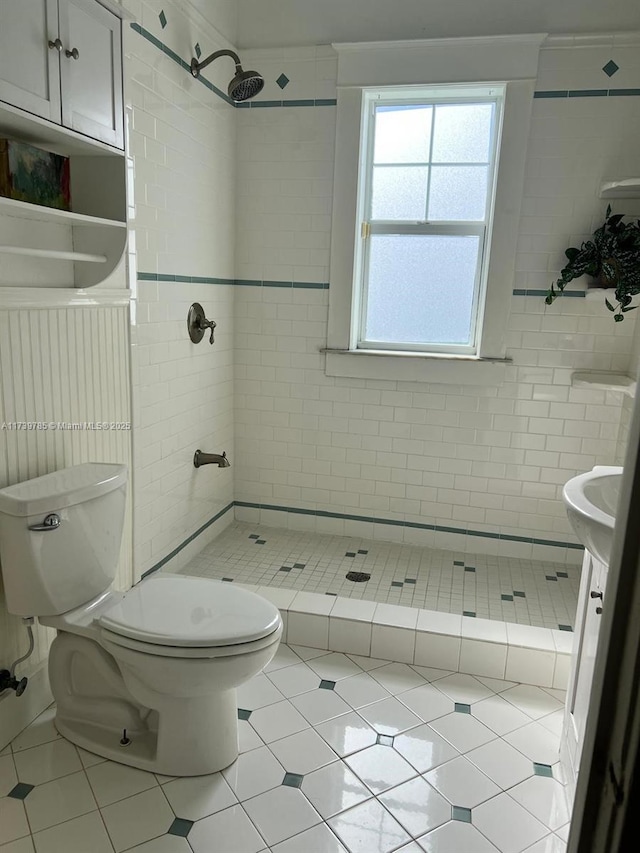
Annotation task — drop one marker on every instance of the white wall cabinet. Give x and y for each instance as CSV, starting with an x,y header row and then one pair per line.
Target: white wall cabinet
x,y
61,90
62,60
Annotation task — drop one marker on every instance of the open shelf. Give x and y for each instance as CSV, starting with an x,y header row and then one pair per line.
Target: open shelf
x,y
25,210
54,254
627,188
595,380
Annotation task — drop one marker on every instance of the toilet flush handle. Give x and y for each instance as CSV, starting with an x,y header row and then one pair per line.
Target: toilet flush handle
x,y
51,522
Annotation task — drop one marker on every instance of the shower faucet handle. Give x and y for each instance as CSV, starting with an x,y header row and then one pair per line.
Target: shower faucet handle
x,y
197,324
209,324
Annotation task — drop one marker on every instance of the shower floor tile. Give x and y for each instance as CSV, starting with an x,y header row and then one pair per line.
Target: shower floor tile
x,y
507,589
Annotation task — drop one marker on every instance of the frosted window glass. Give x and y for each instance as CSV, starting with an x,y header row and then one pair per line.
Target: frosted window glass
x,y
402,134
458,193
421,288
462,133
399,192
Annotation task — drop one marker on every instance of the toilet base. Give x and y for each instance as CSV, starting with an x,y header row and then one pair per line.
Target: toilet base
x,y
173,735
201,738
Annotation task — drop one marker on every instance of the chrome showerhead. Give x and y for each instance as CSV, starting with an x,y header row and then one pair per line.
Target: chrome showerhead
x,y
245,84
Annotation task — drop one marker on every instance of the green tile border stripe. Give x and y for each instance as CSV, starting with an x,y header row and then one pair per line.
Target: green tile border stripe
x,y
236,282
586,93
392,522
156,42
188,540
301,285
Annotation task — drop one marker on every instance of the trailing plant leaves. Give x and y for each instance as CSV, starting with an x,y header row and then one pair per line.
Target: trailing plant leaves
x,y
613,255
629,308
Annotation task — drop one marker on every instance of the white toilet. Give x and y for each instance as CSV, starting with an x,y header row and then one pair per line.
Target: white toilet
x,y
147,677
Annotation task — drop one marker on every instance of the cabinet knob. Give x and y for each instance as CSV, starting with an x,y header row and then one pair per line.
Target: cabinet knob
x,y
595,594
598,610
72,54
57,45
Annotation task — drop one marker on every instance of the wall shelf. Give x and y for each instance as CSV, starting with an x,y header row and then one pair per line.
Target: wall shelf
x,y
595,380
627,188
38,212
53,254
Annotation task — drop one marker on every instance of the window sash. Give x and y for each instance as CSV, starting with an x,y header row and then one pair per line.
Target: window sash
x,y
422,228
480,228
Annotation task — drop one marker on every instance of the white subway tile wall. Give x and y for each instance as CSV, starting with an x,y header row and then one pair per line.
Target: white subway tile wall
x,y
182,140
490,459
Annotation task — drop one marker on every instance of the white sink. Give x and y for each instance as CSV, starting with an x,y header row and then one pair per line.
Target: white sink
x,y
591,501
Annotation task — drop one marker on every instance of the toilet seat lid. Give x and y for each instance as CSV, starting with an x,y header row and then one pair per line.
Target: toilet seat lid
x,y
177,610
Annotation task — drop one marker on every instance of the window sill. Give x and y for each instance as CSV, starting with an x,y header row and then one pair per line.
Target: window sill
x,y
415,367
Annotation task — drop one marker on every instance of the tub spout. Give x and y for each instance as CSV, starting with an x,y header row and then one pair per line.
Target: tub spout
x,y
200,459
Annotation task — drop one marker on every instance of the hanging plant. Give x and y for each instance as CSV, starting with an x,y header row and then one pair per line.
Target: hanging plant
x,y
612,256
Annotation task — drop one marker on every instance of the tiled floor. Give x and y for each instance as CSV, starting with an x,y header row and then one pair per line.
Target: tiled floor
x,y
338,754
507,589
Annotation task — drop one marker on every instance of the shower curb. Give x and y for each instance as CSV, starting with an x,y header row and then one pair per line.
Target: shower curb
x,y
483,647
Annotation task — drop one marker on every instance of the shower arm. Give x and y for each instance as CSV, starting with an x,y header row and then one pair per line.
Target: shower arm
x,y
196,67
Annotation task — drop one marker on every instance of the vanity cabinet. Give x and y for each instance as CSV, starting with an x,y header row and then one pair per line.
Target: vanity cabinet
x,y
62,60
61,90
593,584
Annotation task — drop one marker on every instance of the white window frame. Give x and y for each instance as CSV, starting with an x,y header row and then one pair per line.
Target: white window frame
x,y
509,61
438,95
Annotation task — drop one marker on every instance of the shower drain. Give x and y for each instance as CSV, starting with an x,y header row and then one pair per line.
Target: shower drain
x,y
358,577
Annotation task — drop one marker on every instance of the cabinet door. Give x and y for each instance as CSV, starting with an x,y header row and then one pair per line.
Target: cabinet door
x,y
590,630
29,68
91,70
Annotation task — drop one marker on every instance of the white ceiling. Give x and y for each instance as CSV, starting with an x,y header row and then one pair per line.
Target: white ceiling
x,y
279,23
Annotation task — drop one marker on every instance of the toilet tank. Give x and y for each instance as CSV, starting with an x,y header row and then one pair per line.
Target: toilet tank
x,y
67,562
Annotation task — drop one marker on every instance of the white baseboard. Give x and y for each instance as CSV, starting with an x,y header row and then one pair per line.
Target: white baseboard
x,y
17,712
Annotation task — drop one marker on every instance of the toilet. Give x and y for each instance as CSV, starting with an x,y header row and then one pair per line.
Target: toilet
x,y
146,677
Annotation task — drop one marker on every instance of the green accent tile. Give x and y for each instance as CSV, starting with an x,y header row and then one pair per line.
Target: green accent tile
x,y
610,68
542,769
261,541
283,81
462,708
506,597
458,563
551,578
299,103
327,685
180,827
285,569
299,565
562,574
265,104
332,593
163,19
228,580
385,740
326,102
243,714
198,50
588,93
556,93
293,780
469,568
361,551
397,584
468,613
20,791
410,580
253,536
518,594
461,814
627,92
565,628
350,554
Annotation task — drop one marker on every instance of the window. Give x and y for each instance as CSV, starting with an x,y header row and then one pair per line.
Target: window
x,y
426,190
439,195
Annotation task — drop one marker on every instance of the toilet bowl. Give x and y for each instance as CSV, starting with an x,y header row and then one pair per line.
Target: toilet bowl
x,y
147,677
